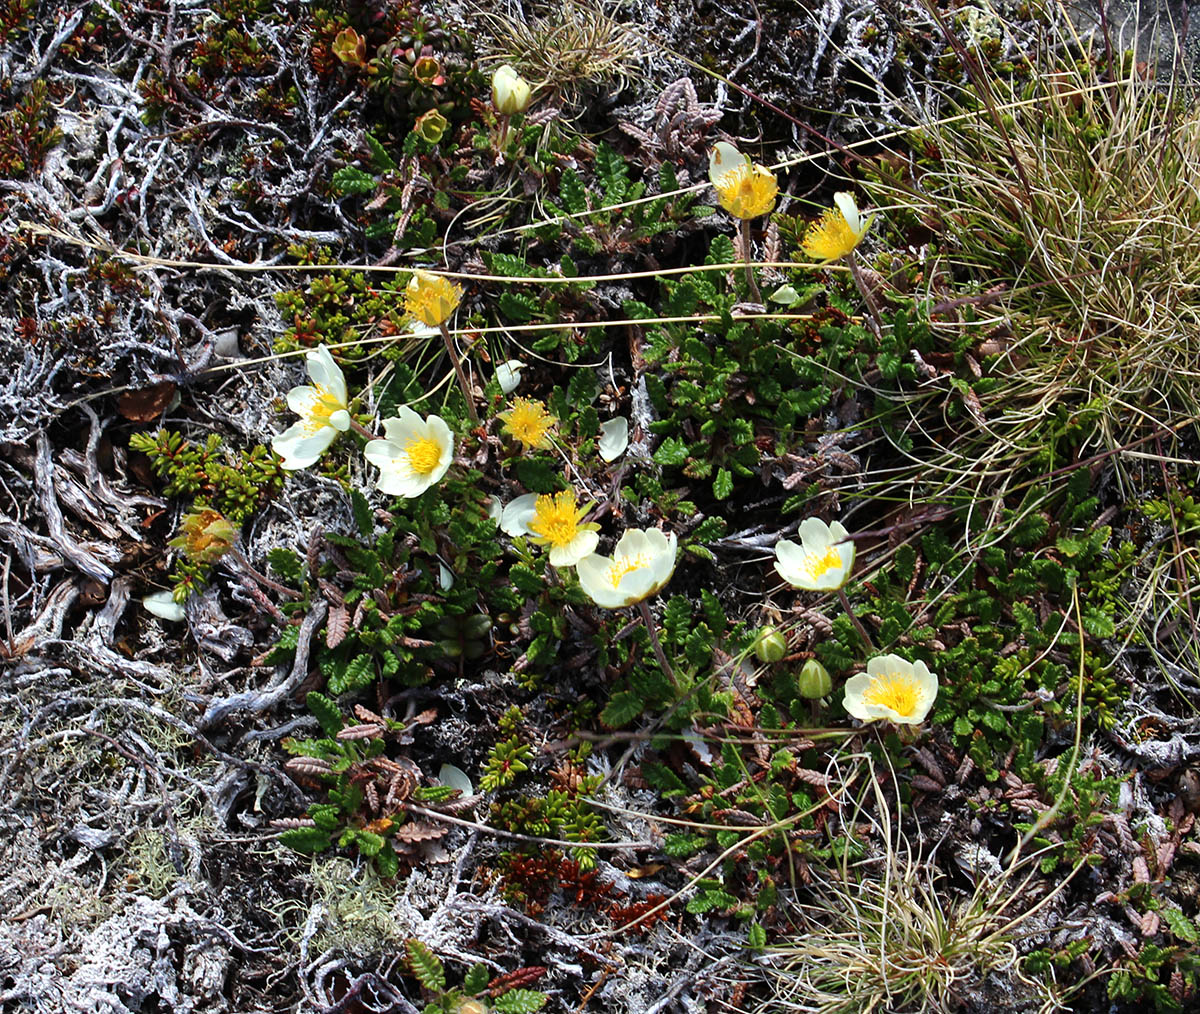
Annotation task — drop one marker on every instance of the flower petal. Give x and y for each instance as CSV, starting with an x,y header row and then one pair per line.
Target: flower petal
x,y
849,208
163,605
614,438
515,518
508,375
722,158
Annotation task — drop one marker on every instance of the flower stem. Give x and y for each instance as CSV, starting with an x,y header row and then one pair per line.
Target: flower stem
x,y
462,377
262,579
755,294
361,430
862,631
873,317
661,655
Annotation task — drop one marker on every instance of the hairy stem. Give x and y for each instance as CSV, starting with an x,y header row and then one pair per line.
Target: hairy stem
x,y
661,655
750,280
862,631
458,369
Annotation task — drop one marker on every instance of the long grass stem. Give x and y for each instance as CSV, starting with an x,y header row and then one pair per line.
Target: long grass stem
x,y
462,377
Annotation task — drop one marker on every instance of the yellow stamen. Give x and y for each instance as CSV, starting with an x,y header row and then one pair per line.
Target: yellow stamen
x,y
747,191
817,566
318,416
423,454
623,565
529,422
556,519
431,299
831,238
895,690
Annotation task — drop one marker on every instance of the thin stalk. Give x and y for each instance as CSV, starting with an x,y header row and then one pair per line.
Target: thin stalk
x,y
661,655
755,294
462,377
862,631
262,579
873,317
361,430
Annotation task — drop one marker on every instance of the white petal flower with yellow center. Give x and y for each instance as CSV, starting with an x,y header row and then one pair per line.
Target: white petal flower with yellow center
x,y
557,523
414,454
823,559
892,688
323,412
641,565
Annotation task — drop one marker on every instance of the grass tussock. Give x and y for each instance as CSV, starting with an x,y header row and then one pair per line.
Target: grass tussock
x,y
1066,190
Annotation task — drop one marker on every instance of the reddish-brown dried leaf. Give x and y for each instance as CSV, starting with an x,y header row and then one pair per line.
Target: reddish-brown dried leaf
x,y
517,979
147,403
337,625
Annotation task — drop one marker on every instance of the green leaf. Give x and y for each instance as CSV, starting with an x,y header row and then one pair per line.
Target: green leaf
x,y
425,965
710,899
364,517
672,451
476,979
380,158
722,484
572,192
387,862
622,708
349,180
328,715
1183,928
1098,623
756,936
684,846
309,840
286,564
520,1001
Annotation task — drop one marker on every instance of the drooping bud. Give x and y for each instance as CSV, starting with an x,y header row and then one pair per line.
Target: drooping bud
x,y
769,645
813,680
510,91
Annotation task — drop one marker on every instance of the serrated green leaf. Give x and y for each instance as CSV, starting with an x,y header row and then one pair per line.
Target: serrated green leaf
x,y
476,980
622,708
364,517
722,484
425,965
328,715
309,840
286,564
349,180
672,451
520,1001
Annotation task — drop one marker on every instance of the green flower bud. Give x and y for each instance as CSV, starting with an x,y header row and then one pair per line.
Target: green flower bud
x,y
769,645
813,680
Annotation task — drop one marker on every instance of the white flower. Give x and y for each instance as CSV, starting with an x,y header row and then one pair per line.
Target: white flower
x,y
323,413
614,438
891,688
413,455
640,566
163,605
510,91
821,562
508,375
554,521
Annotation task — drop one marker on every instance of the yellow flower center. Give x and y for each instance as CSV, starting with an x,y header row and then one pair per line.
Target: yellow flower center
x,y
325,405
556,519
424,454
431,299
817,566
831,238
747,191
623,565
528,421
895,690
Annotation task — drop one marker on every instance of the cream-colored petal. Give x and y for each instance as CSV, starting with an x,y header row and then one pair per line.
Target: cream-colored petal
x,y
340,420
508,375
722,159
515,518
814,535
299,449
849,208
163,605
584,544
326,373
614,438
301,400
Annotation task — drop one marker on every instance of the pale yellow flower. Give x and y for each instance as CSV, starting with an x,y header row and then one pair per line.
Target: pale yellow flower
x,y
414,454
744,188
510,91
892,688
529,422
322,407
838,231
641,565
822,561
431,299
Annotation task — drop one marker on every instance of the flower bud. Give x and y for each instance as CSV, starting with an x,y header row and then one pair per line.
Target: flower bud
x,y
813,681
205,536
431,126
428,71
769,645
350,48
510,91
